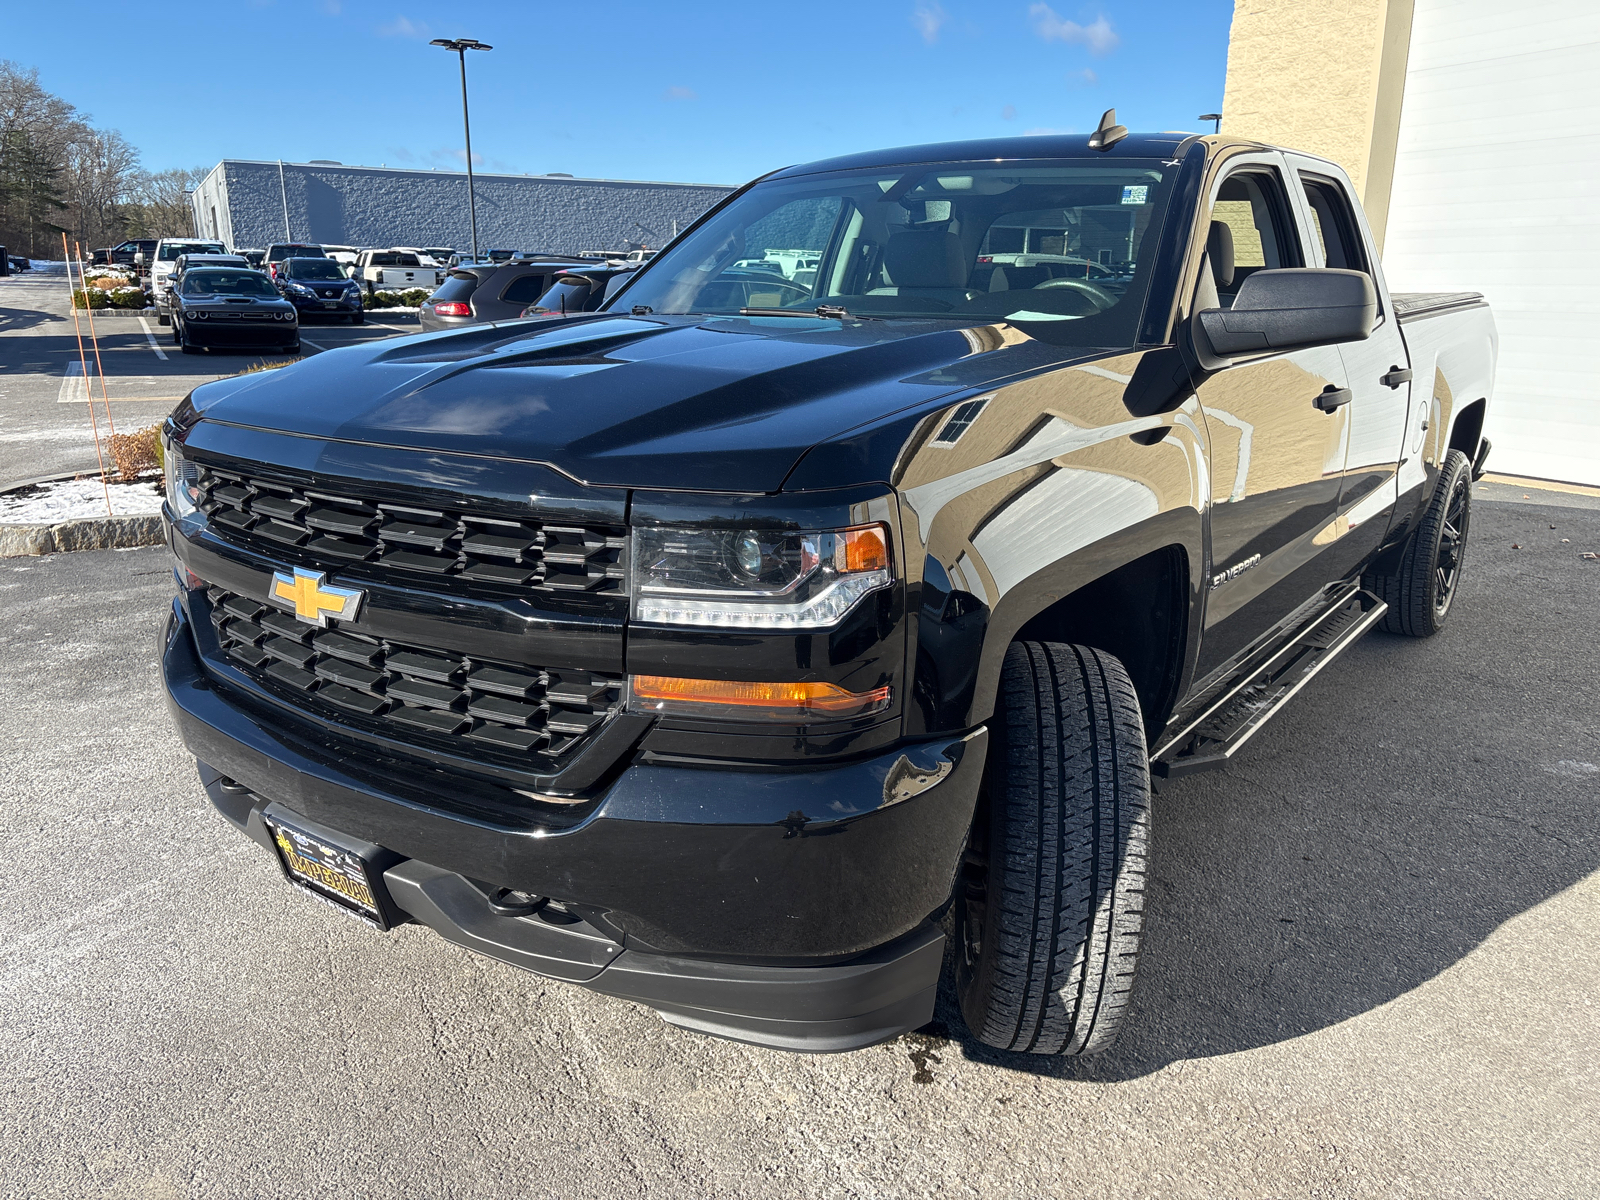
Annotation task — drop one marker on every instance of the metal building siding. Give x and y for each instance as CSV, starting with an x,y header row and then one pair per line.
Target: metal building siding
x,y
374,206
1497,190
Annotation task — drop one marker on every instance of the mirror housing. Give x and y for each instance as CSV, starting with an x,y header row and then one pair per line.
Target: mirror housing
x,y
138,258
1290,309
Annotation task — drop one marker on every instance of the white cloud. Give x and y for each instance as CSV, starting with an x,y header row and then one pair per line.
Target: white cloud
x,y
1083,78
404,27
1008,113
680,93
1098,36
928,17
1043,131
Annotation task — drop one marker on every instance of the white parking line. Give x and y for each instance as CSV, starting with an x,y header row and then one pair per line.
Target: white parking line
x,y
161,354
72,385
308,342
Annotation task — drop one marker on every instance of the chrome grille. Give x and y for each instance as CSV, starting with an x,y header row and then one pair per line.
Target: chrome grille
x,y
334,530
432,697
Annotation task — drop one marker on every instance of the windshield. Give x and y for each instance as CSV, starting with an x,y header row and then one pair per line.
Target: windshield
x,y
1066,242
171,251
227,283
313,268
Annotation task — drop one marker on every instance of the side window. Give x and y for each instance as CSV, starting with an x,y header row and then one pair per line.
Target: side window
x,y
1333,225
524,290
1254,206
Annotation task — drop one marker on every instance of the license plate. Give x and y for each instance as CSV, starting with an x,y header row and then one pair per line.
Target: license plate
x,y
330,304
333,873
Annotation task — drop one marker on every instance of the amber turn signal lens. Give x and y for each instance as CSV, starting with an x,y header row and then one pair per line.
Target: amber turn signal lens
x,y
864,549
708,697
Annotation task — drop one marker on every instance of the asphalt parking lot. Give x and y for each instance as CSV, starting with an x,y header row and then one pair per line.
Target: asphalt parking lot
x,y
44,418
1370,972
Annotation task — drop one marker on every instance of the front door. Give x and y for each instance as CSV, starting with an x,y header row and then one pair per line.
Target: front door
x,y
1277,460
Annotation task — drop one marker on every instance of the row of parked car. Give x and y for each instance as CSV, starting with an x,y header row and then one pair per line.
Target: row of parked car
x,y
216,299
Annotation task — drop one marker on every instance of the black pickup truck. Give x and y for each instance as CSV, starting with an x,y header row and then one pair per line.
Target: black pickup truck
x,y
734,648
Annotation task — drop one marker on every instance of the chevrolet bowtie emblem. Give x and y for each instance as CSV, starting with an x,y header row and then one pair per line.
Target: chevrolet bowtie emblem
x,y
313,599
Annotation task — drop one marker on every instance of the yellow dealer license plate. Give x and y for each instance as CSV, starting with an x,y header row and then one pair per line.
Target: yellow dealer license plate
x,y
331,872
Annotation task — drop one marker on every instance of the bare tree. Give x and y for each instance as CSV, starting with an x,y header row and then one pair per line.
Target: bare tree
x,y
101,170
160,202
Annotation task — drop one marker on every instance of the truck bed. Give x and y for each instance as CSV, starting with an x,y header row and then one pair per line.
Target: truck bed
x,y
1414,306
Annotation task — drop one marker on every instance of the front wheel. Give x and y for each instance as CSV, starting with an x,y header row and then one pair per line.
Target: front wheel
x,y
1050,911
186,347
358,319
1422,588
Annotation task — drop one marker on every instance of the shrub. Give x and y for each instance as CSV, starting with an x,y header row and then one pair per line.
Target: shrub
x,y
93,298
137,452
128,297
414,297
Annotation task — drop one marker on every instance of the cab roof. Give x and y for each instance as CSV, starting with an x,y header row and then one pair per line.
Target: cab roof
x,y
1135,145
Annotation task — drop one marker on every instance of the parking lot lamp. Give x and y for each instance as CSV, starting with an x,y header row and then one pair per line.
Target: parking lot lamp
x,y
461,46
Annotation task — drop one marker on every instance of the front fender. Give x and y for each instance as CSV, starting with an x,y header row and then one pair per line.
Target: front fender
x,y
1053,485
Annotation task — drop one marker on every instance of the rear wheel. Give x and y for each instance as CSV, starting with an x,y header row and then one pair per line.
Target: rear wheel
x,y
1050,914
163,319
1422,588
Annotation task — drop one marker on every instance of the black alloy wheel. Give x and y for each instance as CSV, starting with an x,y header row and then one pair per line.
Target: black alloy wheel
x,y
1049,913
1423,587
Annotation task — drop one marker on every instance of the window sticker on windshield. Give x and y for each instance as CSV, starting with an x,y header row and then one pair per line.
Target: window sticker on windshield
x,y
1136,193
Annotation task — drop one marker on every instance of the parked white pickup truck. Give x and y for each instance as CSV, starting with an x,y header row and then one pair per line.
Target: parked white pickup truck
x,y
394,271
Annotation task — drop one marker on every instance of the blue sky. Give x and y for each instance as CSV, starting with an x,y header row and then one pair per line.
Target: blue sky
x,y
695,92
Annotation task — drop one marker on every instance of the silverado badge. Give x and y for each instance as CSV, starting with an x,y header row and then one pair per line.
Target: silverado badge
x,y
313,599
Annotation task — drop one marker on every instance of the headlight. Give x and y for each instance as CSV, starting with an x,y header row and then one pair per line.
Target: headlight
x,y
198,314
183,482
300,289
755,579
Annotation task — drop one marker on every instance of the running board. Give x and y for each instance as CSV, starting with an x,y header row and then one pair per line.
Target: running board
x,y
1218,733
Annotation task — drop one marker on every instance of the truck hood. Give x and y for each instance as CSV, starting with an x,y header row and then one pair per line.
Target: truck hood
x,y
694,403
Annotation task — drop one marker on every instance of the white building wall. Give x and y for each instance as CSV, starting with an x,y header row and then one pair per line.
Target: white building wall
x,y
1497,190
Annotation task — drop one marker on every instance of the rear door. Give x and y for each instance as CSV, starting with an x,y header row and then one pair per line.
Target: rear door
x,y
1277,460
1377,368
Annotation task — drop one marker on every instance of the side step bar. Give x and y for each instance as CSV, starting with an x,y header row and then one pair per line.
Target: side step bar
x,y
1217,734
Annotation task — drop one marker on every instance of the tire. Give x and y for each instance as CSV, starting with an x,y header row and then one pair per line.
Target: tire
x,y
359,318
1050,913
292,348
183,343
163,319
1422,589
177,338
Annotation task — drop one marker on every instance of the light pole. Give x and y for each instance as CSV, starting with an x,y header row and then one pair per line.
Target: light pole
x,y
1215,117
461,46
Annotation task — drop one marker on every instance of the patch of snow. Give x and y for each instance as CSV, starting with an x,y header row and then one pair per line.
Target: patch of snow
x,y
73,499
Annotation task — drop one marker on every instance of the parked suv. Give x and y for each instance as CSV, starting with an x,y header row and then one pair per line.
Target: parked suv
x,y
163,261
319,286
580,290
279,251
122,255
471,295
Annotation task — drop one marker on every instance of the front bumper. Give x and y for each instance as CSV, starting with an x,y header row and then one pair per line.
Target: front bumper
x,y
341,306
237,335
714,896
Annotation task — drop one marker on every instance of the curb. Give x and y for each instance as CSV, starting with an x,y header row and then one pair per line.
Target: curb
x,y
103,533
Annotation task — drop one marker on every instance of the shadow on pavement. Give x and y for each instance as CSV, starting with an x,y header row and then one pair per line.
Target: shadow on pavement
x,y
1412,800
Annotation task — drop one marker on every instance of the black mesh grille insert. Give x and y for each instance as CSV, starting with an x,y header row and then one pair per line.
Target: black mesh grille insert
x,y
439,545
530,716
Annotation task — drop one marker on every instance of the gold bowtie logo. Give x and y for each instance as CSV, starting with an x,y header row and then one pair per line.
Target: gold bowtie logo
x,y
313,599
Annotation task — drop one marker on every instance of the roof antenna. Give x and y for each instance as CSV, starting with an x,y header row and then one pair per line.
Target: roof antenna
x,y
1109,133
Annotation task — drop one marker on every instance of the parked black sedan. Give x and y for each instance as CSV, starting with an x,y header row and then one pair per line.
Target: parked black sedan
x,y
319,287
218,308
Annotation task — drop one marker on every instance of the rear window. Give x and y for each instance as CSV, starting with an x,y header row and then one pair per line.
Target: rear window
x,y
458,286
571,294
294,250
313,268
394,260
525,290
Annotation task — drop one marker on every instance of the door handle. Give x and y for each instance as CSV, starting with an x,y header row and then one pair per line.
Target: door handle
x,y
1330,398
1395,377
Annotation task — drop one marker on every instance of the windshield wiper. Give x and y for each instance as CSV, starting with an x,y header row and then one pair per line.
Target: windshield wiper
x,y
822,310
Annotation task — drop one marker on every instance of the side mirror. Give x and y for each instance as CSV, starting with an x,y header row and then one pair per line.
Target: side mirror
x,y
1291,309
